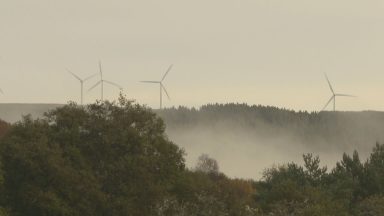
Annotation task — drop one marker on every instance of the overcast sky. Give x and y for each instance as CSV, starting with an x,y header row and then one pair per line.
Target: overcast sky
x,y
270,52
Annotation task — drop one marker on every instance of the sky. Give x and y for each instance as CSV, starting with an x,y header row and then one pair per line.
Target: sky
x,y
269,52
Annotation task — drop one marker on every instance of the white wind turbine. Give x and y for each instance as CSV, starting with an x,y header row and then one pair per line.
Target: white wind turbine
x,y
102,81
334,95
82,81
162,87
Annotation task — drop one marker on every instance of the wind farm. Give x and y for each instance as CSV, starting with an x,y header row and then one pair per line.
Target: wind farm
x,y
101,83
161,86
162,89
334,95
192,108
81,84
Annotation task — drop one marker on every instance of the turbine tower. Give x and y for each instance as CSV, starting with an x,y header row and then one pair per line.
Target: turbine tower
x,y
162,87
102,81
81,82
334,95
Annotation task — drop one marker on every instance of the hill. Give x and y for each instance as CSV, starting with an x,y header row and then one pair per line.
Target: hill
x,y
245,137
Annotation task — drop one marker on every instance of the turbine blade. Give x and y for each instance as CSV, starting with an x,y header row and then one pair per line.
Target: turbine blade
x,y
101,70
329,83
345,95
166,73
94,86
114,84
165,90
90,77
150,82
328,103
77,77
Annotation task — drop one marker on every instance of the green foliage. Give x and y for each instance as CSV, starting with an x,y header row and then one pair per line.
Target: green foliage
x,y
113,158
102,159
205,194
3,212
371,206
351,188
374,171
314,173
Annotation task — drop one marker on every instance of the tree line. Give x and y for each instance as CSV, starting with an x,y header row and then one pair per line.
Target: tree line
x,y
315,129
114,158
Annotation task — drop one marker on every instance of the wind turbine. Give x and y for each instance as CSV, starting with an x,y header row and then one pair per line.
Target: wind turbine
x,y
334,95
102,81
81,82
162,87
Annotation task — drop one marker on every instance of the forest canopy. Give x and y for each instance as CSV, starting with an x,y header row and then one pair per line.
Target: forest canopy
x,y
315,129
114,158
102,159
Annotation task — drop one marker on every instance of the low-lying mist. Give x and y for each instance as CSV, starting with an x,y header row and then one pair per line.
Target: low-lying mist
x,y
247,140
245,155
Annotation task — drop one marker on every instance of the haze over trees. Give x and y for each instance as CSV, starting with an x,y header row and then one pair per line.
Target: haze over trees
x,y
325,128
249,134
318,130
114,158
243,137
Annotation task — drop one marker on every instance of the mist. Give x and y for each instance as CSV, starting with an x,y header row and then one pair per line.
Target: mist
x,y
245,150
242,154
246,140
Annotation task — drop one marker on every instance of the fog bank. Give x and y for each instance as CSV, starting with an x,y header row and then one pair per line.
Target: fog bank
x,y
247,139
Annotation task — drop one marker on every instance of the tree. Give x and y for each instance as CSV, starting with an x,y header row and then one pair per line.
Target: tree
x,y
374,171
371,206
4,128
107,158
295,190
3,211
314,172
207,164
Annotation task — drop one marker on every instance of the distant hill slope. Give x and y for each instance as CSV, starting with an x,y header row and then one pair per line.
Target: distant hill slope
x,y
344,128
243,137
13,112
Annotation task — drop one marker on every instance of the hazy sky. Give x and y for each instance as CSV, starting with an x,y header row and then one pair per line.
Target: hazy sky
x,y
271,52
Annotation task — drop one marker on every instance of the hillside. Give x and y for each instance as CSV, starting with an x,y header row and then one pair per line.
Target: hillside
x,y
243,137
344,128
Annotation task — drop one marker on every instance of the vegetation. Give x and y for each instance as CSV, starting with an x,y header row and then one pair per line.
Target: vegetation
x,y
351,188
113,158
103,159
318,130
